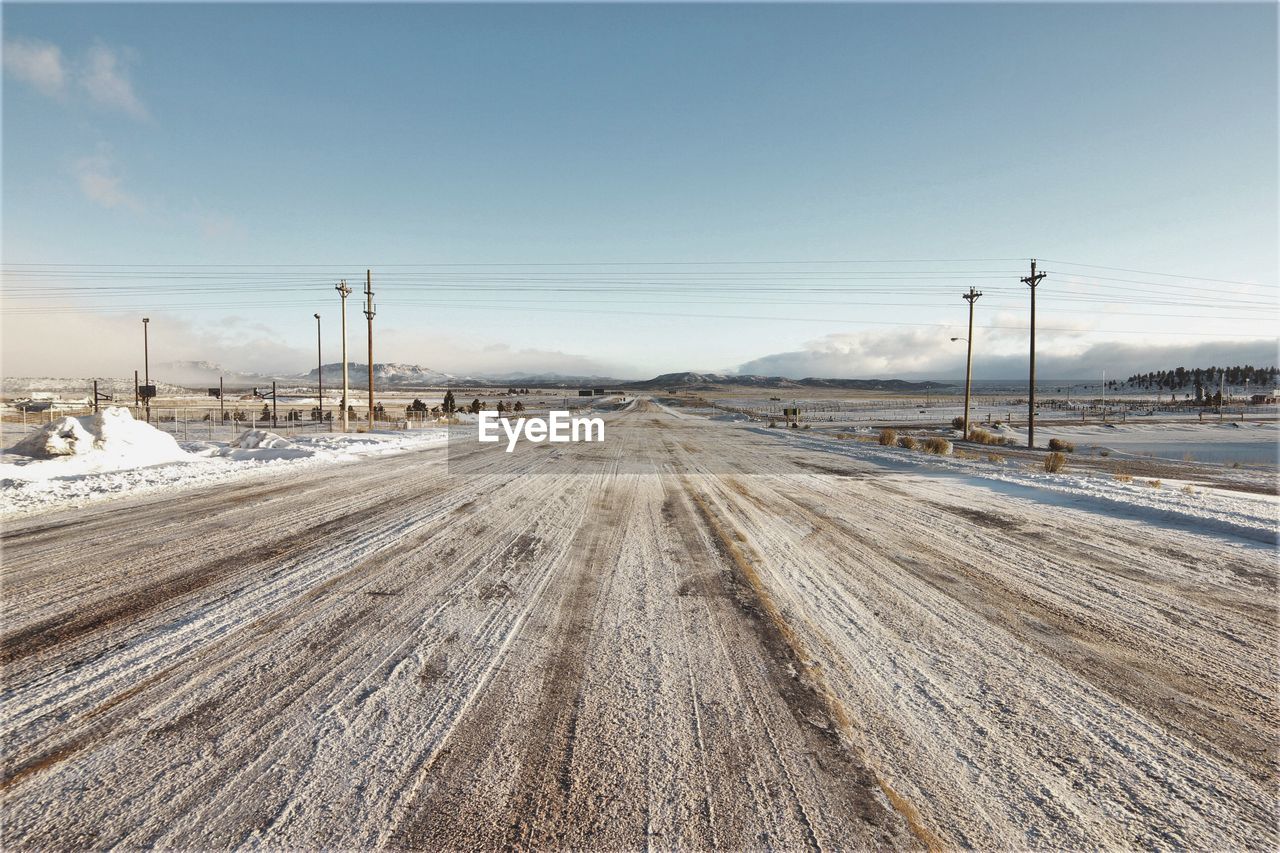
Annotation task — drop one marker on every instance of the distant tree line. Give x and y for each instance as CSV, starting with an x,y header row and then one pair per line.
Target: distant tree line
x,y
1201,378
449,405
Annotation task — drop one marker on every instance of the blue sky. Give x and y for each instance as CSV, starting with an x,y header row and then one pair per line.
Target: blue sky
x,y
1138,137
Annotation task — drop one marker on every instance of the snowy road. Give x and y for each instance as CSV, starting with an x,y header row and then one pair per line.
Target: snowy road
x,y
762,645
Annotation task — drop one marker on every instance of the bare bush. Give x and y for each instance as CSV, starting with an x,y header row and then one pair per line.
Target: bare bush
x,y
908,442
1055,462
1122,478
1057,445
957,422
1155,484
888,437
981,436
938,446
995,458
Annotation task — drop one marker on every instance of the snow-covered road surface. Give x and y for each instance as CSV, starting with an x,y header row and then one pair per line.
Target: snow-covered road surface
x,y
751,644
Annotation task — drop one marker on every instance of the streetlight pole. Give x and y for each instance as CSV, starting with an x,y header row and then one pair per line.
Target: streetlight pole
x,y
146,365
319,372
344,291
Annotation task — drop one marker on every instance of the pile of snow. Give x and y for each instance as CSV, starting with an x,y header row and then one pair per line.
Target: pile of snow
x,y
254,438
111,438
63,437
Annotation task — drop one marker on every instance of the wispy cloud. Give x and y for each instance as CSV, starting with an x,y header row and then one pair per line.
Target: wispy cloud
x,y
104,77
100,184
37,63
101,76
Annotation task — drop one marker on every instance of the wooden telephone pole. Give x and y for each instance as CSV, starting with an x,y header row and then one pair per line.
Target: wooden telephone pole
x,y
344,291
368,313
970,297
1031,281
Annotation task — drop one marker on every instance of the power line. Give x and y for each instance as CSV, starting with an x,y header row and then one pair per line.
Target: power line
x,y
1165,274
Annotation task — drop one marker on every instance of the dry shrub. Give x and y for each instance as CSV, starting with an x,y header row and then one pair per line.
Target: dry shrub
x,y
845,435
1057,445
888,437
957,422
1104,452
908,442
1189,489
995,458
774,425
964,454
1155,484
939,446
1055,462
981,436
1122,478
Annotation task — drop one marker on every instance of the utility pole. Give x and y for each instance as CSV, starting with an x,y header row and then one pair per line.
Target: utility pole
x,y
368,313
319,372
95,396
146,363
274,421
1031,281
222,398
135,391
970,297
345,292
1222,385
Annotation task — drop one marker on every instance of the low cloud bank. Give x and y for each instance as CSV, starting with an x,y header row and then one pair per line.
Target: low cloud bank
x,y
913,354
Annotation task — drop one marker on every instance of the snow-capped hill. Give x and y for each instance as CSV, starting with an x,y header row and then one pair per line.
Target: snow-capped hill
x,y
695,381
388,373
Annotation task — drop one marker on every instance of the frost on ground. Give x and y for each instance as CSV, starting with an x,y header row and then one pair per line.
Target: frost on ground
x,y
745,644
72,462
1246,515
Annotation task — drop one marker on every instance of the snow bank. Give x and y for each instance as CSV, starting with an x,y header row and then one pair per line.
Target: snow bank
x,y
63,437
110,439
119,457
1255,517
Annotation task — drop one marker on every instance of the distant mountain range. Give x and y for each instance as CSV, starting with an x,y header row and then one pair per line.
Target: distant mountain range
x,y
711,381
202,374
